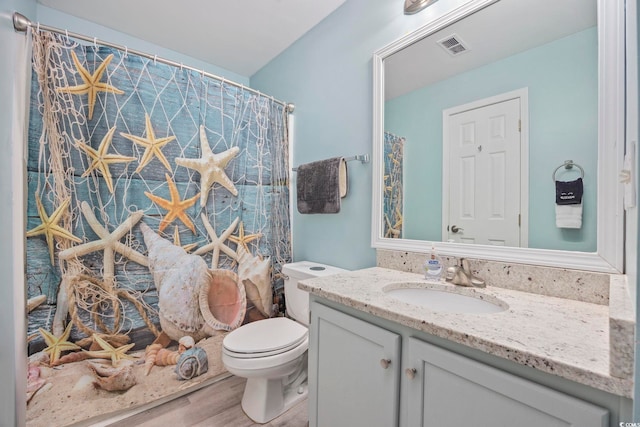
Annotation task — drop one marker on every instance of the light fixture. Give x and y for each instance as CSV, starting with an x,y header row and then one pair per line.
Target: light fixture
x,y
415,6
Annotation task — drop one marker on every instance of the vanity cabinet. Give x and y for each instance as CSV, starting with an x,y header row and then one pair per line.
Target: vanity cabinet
x,y
447,389
354,369
362,374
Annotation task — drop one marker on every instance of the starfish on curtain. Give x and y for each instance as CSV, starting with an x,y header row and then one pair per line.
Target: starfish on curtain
x,y
175,206
242,240
100,160
109,352
217,243
211,167
107,242
56,345
152,145
387,188
92,84
176,241
49,226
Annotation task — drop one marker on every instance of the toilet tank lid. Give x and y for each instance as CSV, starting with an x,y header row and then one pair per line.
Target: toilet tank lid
x,y
307,269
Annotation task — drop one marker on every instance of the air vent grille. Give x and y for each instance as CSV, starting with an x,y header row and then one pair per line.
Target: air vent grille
x,y
453,44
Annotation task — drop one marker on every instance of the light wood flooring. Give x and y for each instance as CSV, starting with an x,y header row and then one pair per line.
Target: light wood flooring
x,y
217,405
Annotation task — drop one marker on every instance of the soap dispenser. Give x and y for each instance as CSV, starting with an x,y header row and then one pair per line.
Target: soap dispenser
x,y
433,266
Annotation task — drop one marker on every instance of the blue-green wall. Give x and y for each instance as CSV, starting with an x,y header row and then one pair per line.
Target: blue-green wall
x,y
328,75
562,78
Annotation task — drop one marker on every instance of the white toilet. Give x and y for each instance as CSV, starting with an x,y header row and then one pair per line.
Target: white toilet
x,y
272,353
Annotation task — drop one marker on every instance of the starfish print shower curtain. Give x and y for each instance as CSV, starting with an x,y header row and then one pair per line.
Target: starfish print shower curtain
x,y
393,185
117,141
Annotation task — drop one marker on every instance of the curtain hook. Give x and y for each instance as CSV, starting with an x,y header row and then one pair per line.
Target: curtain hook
x,y
155,59
126,51
181,67
66,33
38,27
95,42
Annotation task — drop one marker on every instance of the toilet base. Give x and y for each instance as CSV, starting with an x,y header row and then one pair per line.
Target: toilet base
x,y
265,399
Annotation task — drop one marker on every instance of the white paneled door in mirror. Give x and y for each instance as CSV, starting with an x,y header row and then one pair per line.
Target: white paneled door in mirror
x,y
487,101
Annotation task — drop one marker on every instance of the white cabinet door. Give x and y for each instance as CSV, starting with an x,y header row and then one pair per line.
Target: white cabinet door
x,y
354,372
452,390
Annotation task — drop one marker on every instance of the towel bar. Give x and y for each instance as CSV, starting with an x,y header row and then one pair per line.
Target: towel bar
x,y
364,158
568,164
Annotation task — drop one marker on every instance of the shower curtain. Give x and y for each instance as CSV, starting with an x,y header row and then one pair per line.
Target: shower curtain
x,y
118,142
393,189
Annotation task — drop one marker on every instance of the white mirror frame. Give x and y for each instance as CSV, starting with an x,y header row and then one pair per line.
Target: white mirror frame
x,y
611,103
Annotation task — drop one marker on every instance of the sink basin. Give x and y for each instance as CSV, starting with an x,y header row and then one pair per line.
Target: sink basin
x,y
439,299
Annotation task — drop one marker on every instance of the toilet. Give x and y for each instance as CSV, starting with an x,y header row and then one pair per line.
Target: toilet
x,y
272,353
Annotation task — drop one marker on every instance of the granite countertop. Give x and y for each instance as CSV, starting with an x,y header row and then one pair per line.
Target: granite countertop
x,y
559,336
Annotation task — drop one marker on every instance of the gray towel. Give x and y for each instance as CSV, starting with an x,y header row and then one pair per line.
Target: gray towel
x,y
320,185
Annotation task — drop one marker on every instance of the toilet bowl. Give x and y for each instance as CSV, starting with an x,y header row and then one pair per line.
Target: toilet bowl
x,y
272,353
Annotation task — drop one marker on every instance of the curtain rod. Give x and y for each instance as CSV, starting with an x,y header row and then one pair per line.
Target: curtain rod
x,y
21,23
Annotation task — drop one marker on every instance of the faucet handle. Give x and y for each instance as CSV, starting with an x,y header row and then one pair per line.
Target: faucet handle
x,y
475,280
451,271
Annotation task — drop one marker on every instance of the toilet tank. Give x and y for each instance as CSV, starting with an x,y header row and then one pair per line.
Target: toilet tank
x,y
297,300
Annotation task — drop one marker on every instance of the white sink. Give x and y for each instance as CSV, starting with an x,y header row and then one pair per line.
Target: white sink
x,y
440,299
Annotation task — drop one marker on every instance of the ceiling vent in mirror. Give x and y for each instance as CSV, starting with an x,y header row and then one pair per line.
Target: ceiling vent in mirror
x,y
453,44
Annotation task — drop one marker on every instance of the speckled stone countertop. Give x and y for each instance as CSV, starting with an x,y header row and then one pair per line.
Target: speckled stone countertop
x,y
559,336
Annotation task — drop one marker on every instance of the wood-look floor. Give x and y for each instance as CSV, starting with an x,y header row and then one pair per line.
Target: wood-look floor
x,y
217,405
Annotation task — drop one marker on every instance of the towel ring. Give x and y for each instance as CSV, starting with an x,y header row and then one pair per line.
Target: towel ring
x,y
568,164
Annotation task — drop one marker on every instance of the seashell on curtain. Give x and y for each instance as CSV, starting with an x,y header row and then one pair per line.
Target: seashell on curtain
x,y
106,128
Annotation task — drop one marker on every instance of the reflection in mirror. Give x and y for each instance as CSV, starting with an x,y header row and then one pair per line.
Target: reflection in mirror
x,y
475,111
493,187
393,188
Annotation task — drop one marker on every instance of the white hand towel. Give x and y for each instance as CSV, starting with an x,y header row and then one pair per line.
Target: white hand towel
x,y
569,216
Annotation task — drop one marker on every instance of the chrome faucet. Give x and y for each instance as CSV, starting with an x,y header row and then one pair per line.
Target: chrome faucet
x,y
462,275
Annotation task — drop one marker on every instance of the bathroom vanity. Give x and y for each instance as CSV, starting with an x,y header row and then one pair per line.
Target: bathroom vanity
x,y
558,348
540,360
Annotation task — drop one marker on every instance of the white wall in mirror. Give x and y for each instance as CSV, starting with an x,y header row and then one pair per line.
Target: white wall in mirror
x,y
599,250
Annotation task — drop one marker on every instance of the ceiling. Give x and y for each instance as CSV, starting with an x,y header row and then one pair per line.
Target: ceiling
x,y
495,32
240,36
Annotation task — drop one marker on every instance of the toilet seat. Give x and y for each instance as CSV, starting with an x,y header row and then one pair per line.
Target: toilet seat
x,y
264,338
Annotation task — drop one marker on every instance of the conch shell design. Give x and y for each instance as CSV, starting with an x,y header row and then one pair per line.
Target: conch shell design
x,y
113,379
167,357
156,354
192,363
255,276
150,356
185,343
192,299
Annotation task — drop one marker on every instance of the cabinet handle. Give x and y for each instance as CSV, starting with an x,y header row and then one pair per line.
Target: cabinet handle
x,y
410,373
385,363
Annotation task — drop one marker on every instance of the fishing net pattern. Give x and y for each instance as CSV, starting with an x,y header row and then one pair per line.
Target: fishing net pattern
x,y
106,128
393,207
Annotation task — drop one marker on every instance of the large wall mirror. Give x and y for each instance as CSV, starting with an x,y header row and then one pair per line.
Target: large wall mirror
x,y
476,115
